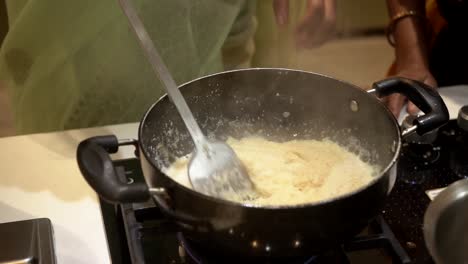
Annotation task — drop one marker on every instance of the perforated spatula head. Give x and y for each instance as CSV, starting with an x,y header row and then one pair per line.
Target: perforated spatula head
x,y
215,170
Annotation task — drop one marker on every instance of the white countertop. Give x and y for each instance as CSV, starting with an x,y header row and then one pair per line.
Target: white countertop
x,y
40,178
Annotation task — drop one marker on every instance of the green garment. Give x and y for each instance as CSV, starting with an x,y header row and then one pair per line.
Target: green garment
x,y
72,64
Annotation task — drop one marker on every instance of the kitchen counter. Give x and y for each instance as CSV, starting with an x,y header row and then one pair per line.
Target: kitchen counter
x,y
40,178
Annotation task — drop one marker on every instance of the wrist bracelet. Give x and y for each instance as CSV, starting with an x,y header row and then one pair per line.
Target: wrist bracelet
x,y
394,21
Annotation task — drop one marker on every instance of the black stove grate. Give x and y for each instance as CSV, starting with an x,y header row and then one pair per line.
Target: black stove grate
x,y
149,238
152,239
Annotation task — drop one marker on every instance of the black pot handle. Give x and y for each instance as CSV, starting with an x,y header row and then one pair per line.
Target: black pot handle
x,y
97,168
424,97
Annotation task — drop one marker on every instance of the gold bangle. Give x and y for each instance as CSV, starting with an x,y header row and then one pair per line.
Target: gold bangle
x,y
394,21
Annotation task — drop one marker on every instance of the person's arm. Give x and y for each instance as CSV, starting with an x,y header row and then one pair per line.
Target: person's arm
x,y
315,27
411,48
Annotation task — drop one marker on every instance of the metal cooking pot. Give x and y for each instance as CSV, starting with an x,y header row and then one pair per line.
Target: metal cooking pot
x,y
278,104
446,225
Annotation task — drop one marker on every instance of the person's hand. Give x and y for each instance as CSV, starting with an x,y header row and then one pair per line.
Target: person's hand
x,y
395,102
317,25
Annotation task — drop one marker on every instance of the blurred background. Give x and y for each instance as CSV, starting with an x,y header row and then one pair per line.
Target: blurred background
x,y
356,51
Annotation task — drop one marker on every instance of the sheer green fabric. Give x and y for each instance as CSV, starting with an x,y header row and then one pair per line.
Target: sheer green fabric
x,y
71,64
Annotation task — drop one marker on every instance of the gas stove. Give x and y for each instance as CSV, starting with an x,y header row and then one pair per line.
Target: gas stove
x,y
139,233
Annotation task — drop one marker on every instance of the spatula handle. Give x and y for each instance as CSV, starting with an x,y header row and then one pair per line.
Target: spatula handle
x,y
162,72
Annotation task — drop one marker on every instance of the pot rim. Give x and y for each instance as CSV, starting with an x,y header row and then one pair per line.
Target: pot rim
x,y
454,192
267,207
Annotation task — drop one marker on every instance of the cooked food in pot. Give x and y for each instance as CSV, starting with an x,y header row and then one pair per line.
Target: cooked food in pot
x,y
293,172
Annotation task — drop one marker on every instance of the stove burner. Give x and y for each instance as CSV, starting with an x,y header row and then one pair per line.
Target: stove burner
x,y
380,239
189,253
422,155
417,160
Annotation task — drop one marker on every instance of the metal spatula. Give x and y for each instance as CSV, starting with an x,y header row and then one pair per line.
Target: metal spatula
x,y
214,168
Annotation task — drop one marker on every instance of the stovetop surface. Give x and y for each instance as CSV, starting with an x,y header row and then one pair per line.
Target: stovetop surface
x,y
143,229
421,167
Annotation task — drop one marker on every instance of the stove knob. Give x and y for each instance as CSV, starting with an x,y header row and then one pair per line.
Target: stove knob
x,y
462,119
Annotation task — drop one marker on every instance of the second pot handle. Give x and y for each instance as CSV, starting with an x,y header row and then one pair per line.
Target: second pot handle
x,y
424,97
93,155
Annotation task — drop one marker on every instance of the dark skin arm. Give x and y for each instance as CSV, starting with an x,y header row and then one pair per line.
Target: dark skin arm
x,y
411,50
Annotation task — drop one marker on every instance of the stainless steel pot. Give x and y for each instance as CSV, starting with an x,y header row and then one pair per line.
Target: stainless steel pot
x,y
446,225
277,104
